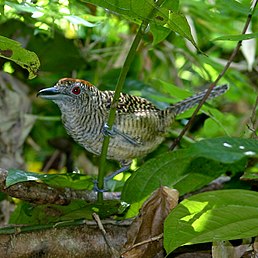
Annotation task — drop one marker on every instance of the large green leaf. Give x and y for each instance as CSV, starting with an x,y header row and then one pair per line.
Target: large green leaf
x,y
190,169
166,16
12,50
225,149
212,216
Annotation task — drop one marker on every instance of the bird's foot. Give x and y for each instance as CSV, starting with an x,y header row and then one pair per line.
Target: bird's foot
x,y
97,189
107,131
107,178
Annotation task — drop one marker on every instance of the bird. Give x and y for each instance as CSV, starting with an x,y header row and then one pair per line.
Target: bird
x,y
139,127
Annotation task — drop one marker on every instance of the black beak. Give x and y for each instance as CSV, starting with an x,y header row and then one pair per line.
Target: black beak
x,y
49,93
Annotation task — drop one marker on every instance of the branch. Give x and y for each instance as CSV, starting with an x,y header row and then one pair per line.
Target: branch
x,y
112,249
253,121
40,193
62,240
212,85
106,238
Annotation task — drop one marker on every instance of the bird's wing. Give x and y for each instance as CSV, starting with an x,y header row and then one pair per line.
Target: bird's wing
x,y
114,131
137,120
127,137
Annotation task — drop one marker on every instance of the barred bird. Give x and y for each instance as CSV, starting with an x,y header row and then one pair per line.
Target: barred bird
x,y
139,125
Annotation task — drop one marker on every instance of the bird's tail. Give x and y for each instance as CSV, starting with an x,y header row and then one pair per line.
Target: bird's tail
x,y
186,104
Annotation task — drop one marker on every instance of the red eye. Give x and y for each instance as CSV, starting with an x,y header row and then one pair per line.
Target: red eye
x,y
76,90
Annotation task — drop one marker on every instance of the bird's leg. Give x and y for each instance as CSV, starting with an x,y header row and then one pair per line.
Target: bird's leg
x,y
120,170
107,178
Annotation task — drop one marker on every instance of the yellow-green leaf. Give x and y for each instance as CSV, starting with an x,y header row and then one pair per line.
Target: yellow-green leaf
x,y
12,50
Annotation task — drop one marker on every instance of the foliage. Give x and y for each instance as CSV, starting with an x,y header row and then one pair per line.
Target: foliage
x,y
27,213
12,50
212,216
77,39
191,168
159,18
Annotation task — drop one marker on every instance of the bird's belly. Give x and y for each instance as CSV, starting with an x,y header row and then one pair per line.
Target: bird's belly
x,y
118,148
126,151
145,137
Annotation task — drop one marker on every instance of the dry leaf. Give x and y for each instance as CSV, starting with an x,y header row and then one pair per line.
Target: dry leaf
x,y
144,238
226,249
15,122
249,49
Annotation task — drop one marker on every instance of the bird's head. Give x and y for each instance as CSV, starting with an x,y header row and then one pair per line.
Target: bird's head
x,y
68,91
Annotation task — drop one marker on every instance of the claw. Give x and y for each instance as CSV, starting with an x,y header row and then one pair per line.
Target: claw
x,y
107,131
96,189
107,178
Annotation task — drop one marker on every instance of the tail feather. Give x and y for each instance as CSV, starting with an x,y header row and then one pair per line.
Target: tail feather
x,y
188,103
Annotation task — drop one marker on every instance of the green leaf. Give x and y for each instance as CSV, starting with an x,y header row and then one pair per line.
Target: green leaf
x,y
165,16
166,169
251,174
23,7
174,91
237,37
225,149
159,33
178,23
104,210
12,50
191,168
26,213
212,216
71,180
78,20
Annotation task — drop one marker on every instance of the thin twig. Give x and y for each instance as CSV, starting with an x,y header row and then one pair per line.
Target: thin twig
x,y
51,160
41,193
253,121
114,252
213,84
152,239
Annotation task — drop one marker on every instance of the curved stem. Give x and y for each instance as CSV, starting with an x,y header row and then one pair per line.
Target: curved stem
x,y
119,86
112,113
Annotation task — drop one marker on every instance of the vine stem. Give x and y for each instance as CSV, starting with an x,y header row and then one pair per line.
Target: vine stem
x,y
213,84
119,87
112,112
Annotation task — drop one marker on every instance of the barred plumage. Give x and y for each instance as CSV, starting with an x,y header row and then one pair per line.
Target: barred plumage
x,y
188,103
139,126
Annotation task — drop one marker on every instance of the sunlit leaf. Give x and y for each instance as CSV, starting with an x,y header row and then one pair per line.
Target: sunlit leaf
x,y
212,216
12,50
23,7
78,20
164,16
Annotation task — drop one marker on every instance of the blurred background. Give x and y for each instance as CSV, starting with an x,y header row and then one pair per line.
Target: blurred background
x,y
80,40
